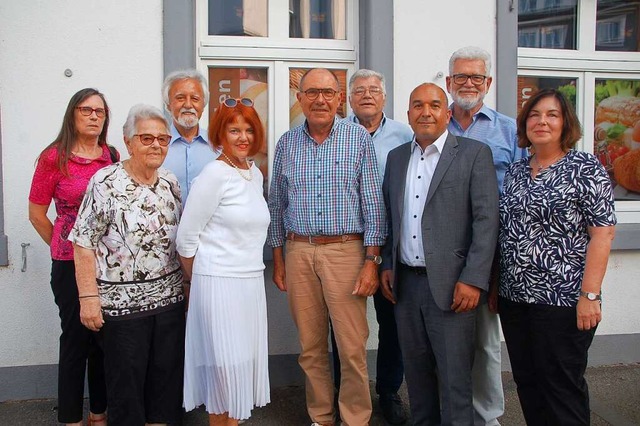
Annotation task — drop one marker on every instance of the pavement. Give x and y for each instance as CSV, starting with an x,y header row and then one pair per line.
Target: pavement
x,y
614,392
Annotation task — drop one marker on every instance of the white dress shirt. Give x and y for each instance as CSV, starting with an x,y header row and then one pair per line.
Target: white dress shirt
x,y
420,170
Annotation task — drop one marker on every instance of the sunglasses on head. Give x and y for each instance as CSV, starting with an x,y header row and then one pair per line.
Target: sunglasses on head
x,y
232,103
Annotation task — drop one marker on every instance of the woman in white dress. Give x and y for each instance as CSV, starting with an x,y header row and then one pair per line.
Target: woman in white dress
x,y
220,242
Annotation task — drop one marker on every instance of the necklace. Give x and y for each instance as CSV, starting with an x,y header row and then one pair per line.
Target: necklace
x,y
540,167
240,171
136,177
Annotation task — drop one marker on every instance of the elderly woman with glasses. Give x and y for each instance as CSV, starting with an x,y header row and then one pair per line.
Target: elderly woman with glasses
x,y
220,241
129,278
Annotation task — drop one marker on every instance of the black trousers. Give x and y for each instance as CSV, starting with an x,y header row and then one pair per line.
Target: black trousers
x,y
144,363
79,350
549,357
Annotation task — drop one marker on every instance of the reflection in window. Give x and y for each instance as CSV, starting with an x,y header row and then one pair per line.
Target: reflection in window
x,y
243,83
296,116
616,136
617,25
238,17
317,19
548,24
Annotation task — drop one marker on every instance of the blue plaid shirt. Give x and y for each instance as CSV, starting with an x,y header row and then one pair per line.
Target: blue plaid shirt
x,y
332,188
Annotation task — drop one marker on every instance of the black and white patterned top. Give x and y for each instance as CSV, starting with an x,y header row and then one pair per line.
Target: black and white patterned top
x,y
132,228
543,227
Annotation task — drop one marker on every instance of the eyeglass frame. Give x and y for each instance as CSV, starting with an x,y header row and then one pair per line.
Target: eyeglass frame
x,y
368,89
469,77
319,92
248,102
100,112
140,135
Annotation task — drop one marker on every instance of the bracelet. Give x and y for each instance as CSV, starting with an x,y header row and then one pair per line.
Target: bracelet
x,y
88,295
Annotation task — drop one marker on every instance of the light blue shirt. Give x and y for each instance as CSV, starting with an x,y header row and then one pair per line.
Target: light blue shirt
x,y
387,136
496,130
186,160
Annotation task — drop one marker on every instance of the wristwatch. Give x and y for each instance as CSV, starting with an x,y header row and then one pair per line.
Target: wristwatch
x,y
591,296
374,258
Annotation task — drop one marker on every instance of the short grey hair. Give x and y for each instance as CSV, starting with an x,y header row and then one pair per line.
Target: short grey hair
x,y
471,52
184,75
365,73
141,112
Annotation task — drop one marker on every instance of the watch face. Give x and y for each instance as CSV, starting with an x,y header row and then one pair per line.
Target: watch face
x,y
591,296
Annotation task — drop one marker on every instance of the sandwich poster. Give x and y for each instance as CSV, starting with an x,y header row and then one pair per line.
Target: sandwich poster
x,y
616,132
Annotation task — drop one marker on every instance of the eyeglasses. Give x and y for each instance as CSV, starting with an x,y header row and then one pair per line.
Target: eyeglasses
x,y
373,91
87,111
462,79
232,103
312,94
148,139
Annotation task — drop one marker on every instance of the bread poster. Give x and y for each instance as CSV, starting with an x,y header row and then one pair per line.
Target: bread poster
x,y
617,134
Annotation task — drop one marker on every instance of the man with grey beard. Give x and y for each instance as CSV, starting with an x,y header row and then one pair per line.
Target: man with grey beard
x,y
468,82
185,94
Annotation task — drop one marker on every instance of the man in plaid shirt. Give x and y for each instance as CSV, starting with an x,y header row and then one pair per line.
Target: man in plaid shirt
x,y
326,204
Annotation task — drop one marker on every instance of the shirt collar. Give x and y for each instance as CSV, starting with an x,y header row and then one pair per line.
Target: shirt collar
x,y
439,143
354,118
483,111
305,127
175,135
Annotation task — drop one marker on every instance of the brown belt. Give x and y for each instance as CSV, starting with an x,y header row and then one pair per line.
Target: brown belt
x,y
324,239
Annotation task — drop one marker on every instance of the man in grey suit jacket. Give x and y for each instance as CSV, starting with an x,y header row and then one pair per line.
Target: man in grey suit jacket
x,y
442,203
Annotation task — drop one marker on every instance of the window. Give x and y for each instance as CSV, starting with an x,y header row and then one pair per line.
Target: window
x,y
258,48
589,50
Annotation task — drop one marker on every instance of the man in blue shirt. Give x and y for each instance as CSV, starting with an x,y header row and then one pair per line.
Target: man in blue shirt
x,y
185,94
367,97
468,82
326,205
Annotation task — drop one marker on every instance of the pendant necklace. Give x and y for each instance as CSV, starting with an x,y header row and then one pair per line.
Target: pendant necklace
x,y
240,171
540,167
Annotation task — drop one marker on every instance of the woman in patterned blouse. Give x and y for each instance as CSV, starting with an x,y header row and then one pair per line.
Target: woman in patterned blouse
x,y
129,279
62,173
556,226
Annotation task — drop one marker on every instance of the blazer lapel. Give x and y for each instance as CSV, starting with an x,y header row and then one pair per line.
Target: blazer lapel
x,y
449,152
403,165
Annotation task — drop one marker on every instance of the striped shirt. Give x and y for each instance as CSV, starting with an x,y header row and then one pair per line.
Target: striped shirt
x,y
496,130
332,188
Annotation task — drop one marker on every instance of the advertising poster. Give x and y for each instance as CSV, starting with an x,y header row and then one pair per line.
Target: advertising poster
x,y
616,135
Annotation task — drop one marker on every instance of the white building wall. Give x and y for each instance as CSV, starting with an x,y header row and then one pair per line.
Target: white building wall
x,y
117,50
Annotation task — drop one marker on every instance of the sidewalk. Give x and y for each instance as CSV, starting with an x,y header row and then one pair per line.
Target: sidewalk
x,y
615,400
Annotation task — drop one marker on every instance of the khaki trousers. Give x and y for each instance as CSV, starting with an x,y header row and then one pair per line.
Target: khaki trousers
x,y
320,280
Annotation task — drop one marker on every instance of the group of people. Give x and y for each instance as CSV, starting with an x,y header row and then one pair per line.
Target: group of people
x,y
446,222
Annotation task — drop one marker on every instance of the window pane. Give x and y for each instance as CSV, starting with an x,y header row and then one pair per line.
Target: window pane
x,y
243,83
547,24
296,117
617,134
318,19
528,86
617,25
238,17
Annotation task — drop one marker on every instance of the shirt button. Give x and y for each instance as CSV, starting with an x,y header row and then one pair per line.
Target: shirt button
x,y
421,158
414,216
414,237
419,177
417,196
417,257
319,213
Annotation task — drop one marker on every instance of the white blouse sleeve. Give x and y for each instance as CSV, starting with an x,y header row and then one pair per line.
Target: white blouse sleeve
x,y
205,195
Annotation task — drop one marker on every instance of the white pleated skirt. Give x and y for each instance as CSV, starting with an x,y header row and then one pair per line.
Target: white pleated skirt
x,y
226,353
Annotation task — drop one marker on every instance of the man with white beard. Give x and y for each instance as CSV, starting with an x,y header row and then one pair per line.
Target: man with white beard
x,y
185,94
468,82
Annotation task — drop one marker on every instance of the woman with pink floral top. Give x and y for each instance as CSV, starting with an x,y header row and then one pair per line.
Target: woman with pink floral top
x,y
62,173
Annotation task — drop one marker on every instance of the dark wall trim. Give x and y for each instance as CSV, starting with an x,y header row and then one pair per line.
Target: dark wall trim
x,y
39,381
376,43
506,74
179,35
4,241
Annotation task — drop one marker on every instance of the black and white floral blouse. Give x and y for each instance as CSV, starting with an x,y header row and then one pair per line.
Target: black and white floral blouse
x,y
132,228
543,227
